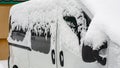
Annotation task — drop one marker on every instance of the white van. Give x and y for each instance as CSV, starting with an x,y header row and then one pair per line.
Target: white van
x,y
48,34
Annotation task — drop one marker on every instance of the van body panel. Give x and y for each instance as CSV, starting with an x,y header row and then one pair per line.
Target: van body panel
x,y
17,59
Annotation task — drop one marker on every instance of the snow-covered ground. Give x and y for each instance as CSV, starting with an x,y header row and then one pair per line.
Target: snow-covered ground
x,y
3,64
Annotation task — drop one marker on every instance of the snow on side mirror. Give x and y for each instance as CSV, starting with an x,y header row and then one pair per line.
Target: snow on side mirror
x,y
89,55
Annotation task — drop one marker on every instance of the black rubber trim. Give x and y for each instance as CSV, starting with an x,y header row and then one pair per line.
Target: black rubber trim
x,y
20,46
9,23
9,62
61,56
53,56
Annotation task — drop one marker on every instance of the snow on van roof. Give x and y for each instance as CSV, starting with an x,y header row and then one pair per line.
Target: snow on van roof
x,y
19,15
34,11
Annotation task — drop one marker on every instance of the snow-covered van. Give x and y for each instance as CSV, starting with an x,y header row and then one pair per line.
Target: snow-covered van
x,y
48,34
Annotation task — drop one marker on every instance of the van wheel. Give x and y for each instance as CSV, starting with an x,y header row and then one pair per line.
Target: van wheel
x,y
15,66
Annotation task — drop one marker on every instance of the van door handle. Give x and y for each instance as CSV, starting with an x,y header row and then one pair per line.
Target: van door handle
x,y
53,56
61,56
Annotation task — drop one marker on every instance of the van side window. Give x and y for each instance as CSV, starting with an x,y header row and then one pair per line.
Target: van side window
x,y
79,25
18,34
40,41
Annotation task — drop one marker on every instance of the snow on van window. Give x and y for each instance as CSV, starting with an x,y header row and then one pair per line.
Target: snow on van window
x,y
18,33
78,23
18,22
40,25
41,38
